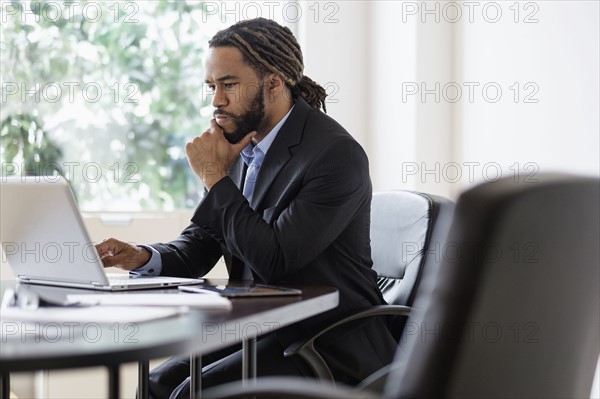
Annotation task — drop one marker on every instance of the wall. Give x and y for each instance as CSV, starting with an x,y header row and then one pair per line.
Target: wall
x,y
444,95
553,60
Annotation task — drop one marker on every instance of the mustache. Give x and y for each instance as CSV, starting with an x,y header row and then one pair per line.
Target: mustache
x,y
221,112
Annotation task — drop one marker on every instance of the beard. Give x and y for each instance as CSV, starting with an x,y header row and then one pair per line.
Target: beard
x,y
247,122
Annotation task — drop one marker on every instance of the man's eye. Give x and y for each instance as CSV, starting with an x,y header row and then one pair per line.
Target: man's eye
x,y
229,86
210,89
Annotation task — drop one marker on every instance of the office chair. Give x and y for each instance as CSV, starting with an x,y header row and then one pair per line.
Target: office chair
x,y
514,310
408,231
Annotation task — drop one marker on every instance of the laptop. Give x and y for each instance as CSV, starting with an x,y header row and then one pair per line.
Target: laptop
x,y
45,241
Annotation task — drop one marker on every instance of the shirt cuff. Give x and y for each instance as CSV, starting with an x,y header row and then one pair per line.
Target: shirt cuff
x,y
152,268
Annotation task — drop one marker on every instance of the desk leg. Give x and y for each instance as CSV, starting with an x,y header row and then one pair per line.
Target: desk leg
x,y
195,376
249,360
143,375
5,385
113,382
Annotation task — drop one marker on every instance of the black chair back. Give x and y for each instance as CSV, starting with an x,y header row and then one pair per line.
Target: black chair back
x,y
514,309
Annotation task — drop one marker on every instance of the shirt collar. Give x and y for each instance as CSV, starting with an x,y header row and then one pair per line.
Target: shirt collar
x,y
250,150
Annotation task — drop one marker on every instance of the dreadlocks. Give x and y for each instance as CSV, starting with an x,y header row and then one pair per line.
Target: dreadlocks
x,y
271,48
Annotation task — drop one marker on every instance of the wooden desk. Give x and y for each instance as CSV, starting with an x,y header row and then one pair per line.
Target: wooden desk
x,y
197,332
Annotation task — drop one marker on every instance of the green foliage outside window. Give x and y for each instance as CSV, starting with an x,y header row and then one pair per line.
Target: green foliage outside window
x,y
106,94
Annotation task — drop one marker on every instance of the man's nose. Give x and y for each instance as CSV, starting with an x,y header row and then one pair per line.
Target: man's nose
x,y
219,98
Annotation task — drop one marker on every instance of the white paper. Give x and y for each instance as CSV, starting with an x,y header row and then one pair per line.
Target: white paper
x,y
97,314
175,299
52,324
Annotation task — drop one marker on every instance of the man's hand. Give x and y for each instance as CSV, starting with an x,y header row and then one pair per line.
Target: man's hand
x,y
121,254
210,154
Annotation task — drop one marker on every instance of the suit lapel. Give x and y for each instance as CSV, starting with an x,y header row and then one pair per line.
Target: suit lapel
x,y
279,153
237,172
235,266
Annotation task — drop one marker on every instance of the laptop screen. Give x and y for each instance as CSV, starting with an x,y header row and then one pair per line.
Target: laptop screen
x,y
42,233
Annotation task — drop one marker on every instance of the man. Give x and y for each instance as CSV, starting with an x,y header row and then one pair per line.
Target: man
x,y
288,199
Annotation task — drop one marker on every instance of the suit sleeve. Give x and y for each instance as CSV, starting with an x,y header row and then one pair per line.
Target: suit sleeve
x,y
192,254
334,186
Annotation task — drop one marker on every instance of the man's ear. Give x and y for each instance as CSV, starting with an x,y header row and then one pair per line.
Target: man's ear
x,y
275,82
275,86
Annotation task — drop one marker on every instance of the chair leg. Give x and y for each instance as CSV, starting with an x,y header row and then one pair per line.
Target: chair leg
x,y
143,375
113,382
249,360
5,385
195,376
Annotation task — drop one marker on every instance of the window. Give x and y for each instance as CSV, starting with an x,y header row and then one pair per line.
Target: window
x,y
106,93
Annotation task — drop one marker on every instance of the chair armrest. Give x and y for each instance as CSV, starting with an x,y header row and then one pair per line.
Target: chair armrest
x,y
283,387
305,348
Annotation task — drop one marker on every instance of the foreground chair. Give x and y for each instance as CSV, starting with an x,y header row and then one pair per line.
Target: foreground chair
x,y
514,310
408,231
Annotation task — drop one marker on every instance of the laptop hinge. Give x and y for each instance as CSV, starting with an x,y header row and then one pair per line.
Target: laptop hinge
x,y
23,278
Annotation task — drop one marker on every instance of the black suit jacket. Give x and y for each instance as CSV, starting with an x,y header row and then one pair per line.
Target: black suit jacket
x,y
308,222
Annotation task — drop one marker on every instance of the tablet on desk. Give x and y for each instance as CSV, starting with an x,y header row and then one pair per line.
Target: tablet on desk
x,y
242,290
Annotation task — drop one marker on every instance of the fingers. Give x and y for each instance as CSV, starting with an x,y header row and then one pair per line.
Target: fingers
x,y
191,147
214,127
210,154
201,156
237,148
109,251
115,253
